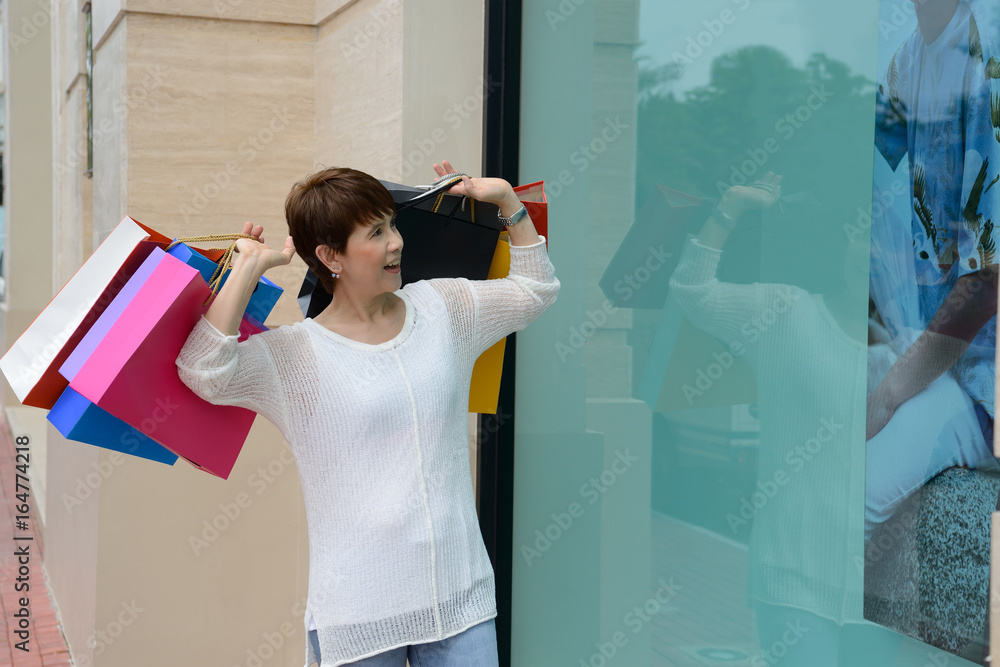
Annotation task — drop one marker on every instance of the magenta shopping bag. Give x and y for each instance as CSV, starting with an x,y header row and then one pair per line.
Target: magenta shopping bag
x,y
129,370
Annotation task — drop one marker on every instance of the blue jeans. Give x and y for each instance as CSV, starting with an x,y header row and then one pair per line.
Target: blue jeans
x,y
474,647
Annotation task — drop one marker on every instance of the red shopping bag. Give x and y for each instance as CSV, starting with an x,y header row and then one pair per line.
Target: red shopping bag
x,y
532,195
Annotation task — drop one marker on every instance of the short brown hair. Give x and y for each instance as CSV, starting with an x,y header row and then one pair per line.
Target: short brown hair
x,y
325,209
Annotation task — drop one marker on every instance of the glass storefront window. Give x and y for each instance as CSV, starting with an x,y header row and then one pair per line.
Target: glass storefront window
x,y
756,427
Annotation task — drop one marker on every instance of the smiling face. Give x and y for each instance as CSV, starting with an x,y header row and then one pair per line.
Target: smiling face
x,y
370,262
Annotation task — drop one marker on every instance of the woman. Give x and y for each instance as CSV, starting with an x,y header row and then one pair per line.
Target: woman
x,y
372,396
808,351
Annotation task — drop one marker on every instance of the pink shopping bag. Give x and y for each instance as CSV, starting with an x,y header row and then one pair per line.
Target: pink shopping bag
x,y
131,371
31,364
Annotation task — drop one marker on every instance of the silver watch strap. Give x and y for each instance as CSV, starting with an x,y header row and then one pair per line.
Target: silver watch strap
x,y
515,217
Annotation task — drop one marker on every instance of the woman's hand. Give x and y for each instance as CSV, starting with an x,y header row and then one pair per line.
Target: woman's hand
x,y
258,253
738,200
758,195
251,259
493,190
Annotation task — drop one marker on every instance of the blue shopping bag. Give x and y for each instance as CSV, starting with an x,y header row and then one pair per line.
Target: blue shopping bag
x,y
79,419
264,297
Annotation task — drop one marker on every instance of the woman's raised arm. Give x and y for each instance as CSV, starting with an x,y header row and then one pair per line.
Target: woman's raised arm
x,y
250,261
486,311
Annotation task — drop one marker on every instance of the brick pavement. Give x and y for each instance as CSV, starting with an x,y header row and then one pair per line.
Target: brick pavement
x,y
46,644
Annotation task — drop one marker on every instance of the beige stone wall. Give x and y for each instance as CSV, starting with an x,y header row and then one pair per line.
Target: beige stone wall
x,y
219,126
394,106
71,551
70,138
205,113
215,121
443,102
27,172
359,87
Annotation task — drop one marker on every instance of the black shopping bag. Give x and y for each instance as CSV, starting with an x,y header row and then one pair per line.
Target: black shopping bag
x,y
638,275
444,236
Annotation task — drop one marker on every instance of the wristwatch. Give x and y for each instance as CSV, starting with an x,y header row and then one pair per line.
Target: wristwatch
x,y
723,218
514,218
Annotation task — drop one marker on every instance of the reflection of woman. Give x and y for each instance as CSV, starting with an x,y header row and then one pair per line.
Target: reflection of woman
x,y
806,547
372,396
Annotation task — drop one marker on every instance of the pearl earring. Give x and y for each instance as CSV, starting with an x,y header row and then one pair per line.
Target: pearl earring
x,y
336,275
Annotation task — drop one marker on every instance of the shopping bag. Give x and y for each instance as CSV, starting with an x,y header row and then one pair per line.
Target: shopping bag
x,y
484,388
131,371
427,210
264,297
446,236
79,419
193,258
532,195
638,275
31,364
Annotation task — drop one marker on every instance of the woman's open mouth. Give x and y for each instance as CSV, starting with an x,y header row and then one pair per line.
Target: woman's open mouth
x,y
393,267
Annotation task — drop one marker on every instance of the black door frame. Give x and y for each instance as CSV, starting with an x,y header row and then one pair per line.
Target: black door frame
x,y
495,474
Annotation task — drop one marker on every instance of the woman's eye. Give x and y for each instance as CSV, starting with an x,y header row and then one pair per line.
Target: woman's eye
x,y
378,231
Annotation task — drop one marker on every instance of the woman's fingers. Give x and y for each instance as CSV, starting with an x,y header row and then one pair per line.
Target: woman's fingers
x,y
443,168
250,230
770,185
466,187
483,188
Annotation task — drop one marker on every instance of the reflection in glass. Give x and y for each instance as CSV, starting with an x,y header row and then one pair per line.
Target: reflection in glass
x,y
933,282
739,391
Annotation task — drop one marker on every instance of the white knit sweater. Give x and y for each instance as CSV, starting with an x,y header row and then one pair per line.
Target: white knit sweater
x,y
380,437
807,541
